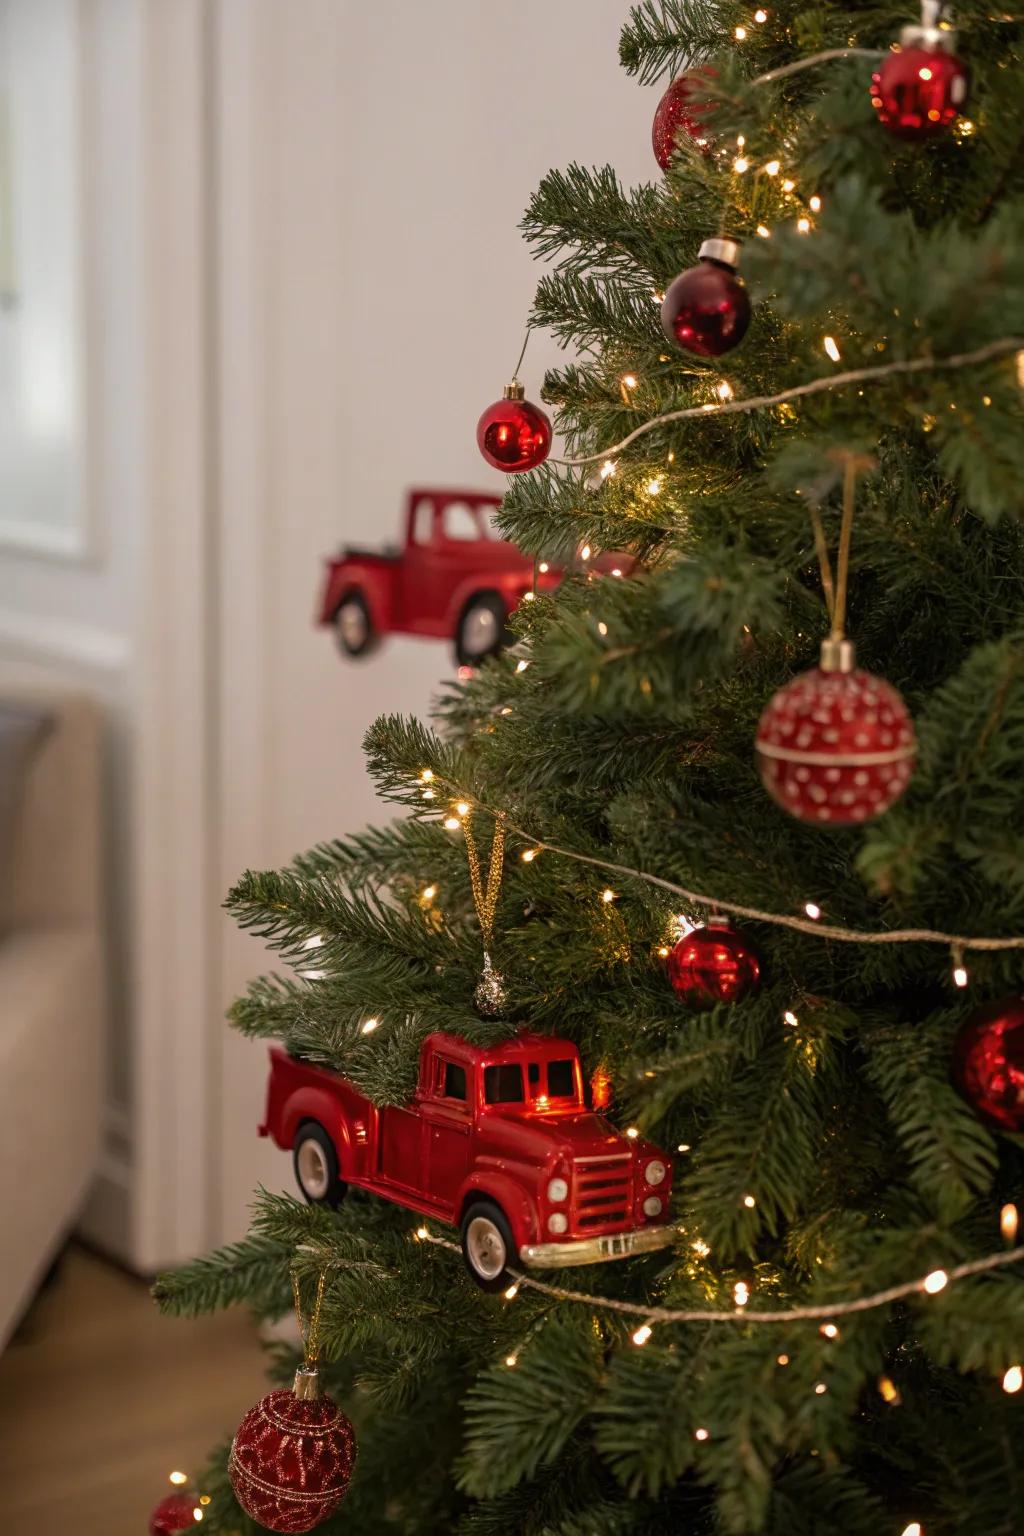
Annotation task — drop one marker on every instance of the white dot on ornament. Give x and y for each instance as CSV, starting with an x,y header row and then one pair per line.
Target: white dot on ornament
x,y
924,74
1014,1379
616,572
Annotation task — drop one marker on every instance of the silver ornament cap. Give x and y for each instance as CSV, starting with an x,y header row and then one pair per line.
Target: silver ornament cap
x,y
490,995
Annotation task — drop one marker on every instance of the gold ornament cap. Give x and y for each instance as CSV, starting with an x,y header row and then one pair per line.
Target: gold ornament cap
x,y
307,1384
837,655
720,249
513,391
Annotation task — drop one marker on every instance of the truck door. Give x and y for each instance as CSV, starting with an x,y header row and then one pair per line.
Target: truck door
x,y
448,1120
422,578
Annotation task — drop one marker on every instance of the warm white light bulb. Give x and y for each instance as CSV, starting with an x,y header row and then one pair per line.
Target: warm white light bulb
x,y
178,1478
814,203
829,1331
936,1282
1009,1221
607,896
761,16
960,977
632,1132
790,1018
1013,1379
740,34
803,226
749,1202
607,468
462,808
427,775
513,1291
528,855
831,347
764,231
452,823
543,567
700,1434
629,379
510,1360
812,909
522,665
773,167
724,390
740,164
370,1026
741,1293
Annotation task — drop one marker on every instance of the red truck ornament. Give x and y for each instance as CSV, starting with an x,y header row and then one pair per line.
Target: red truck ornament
x,y
497,1141
452,579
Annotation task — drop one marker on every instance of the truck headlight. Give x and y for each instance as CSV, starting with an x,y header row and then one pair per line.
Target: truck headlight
x,y
652,1206
557,1223
655,1172
558,1190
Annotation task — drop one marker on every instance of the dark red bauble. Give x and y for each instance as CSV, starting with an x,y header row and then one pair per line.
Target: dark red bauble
x,y
716,964
706,309
988,1063
682,107
918,91
175,1513
836,745
513,434
291,1460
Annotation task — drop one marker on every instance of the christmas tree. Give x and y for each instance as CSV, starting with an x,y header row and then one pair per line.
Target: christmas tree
x,y
796,969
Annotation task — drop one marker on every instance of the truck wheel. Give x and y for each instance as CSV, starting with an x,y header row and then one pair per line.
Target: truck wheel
x,y
487,1245
316,1165
354,627
481,630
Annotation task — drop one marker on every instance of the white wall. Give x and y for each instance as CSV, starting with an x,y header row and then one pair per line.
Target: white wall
x,y
376,161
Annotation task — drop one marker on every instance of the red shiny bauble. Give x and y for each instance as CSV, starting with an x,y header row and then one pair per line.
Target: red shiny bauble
x,y
291,1460
175,1513
836,747
918,91
988,1063
716,964
706,309
682,106
513,434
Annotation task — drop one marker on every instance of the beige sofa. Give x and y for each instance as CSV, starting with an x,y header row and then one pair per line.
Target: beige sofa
x,y
53,1002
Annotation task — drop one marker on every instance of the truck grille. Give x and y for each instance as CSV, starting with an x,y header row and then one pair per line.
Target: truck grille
x,y
603,1190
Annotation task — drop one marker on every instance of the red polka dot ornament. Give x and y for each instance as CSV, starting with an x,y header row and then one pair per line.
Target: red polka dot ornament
x,y
836,745
292,1457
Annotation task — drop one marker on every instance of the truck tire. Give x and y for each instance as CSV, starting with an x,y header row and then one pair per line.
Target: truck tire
x,y
316,1165
481,630
353,625
487,1245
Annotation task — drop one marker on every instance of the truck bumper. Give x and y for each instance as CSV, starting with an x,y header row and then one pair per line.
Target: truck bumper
x,y
595,1250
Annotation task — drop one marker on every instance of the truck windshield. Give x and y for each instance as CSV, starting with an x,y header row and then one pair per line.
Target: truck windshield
x,y
503,1085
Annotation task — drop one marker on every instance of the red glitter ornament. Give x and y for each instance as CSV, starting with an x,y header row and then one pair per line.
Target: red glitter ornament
x,y
706,309
682,106
174,1513
716,964
920,88
513,434
988,1063
836,745
291,1460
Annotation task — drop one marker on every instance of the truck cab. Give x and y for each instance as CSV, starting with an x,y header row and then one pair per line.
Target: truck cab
x,y
498,1141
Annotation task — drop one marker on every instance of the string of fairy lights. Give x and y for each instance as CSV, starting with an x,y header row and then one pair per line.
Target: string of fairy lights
x,y
810,921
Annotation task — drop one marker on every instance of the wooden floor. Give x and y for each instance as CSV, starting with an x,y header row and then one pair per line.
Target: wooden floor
x,y
101,1397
